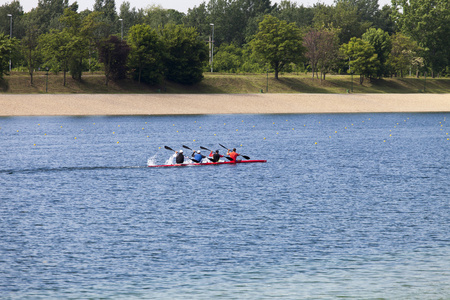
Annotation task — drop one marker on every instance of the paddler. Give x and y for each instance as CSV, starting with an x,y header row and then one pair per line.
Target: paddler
x,y
233,154
179,157
197,156
215,157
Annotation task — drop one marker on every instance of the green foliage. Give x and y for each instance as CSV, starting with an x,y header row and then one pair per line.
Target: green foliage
x,y
29,46
48,13
185,54
130,17
384,20
343,16
363,59
15,9
146,56
234,21
382,44
113,53
403,54
278,43
156,16
290,12
6,46
428,23
57,45
228,58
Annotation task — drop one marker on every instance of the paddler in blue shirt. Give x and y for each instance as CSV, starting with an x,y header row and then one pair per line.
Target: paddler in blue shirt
x,y
197,156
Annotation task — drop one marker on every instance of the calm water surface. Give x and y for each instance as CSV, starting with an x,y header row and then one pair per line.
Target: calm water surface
x,y
347,206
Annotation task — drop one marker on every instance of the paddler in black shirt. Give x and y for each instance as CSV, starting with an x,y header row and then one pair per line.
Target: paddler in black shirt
x,y
180,157
216,156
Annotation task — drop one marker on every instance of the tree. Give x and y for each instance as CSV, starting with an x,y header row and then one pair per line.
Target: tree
x,y
130,16
278,43
322,49
146,56
29,45
343,16
185,54
49,12
382,44
428,23
228,58
156,16
290,12
403,53
363,59
384,20
109,17
56,45
15,9
367,9
6,46
113,53
78,44
198,17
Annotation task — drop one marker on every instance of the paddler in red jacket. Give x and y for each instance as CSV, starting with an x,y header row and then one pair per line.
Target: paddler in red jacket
x,y
233,154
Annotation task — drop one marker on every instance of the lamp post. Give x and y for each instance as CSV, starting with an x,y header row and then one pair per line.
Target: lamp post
x,y
267,86
212,48
10,37
425,83
352,80
121,30
351,72
46,81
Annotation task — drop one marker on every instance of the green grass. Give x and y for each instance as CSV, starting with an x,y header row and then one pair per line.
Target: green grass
x,y
19,83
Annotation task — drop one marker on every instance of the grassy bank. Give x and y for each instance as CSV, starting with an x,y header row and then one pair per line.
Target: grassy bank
x,y
19,83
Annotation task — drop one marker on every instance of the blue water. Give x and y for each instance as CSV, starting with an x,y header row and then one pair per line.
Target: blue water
x,y
347,206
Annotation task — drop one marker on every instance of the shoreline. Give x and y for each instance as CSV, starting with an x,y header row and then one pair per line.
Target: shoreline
x,y
199,104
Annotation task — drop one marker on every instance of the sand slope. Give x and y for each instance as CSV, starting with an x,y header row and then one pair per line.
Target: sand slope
x,y
173,104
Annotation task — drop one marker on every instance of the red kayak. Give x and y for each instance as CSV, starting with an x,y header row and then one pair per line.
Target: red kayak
x,y
212,163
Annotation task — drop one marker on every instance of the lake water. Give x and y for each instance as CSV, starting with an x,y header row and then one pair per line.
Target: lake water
x,y
352,206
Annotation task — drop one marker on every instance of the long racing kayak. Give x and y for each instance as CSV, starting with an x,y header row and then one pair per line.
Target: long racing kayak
x,y
212,163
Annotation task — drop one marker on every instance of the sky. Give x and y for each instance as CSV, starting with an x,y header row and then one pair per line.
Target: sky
x,y
179,5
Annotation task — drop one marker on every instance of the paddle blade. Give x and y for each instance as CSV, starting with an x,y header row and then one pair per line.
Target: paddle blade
x,y
168,148
204,148
186,147
229,158
245,156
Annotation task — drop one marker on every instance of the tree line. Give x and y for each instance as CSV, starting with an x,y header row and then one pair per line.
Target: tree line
x,y
236,36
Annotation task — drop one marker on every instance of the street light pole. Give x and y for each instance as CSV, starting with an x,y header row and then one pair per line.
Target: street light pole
x,y
121,31
212,48
10,37
425,83
46,81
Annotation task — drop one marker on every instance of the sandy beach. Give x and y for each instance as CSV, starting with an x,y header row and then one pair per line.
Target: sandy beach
x,y
176,104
